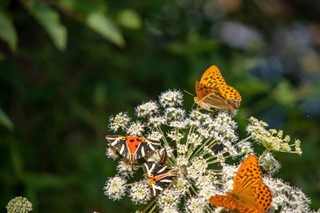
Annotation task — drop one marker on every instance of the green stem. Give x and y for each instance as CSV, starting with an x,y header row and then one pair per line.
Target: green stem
x,y
198,149
210,143
189,133
264,154
144,208
167,144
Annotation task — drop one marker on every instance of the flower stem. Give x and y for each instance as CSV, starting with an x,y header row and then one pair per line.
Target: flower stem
x,y
144,208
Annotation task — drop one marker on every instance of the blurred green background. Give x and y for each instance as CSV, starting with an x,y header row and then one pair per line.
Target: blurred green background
x,y
67,65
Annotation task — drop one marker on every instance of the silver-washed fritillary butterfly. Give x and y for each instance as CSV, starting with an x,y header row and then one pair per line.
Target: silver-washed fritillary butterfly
x,y
249,194
213,92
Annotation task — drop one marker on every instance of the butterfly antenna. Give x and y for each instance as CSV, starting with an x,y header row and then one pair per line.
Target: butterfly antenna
x,y
188,92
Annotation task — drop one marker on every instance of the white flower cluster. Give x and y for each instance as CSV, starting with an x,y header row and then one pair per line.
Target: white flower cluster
x,y
287,198
272,139
198,144
19,205
115,188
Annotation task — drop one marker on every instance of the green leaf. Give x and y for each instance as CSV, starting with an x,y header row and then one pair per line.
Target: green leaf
x,y
7,31
129,19
83,7
50,20
5,120
105,27
284,93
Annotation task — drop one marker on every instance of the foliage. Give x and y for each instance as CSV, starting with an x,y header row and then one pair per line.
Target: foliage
x,y
66,66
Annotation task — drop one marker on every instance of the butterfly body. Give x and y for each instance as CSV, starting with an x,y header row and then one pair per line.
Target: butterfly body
x,y
213,92
249,194
132,148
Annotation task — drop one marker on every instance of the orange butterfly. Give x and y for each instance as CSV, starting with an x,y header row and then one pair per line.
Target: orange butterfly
x,y
249,194
213,92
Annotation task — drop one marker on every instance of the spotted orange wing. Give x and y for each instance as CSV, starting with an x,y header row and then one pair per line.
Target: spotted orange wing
x,y
231,96
213,92
203,90
226,201
207,97
207,88
249,194
212,77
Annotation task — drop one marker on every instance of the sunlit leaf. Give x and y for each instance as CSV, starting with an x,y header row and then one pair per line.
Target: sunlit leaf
x,y
84,7
105,27
177,48
7,32
5,120
129,19
50,20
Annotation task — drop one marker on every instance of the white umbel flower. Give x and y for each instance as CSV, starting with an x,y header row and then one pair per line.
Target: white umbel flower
x,y
168,198
171,98
147,109
121,120
196,205
115,188
272,139
139,192
136,128
197,168
111,153
126,169
19,205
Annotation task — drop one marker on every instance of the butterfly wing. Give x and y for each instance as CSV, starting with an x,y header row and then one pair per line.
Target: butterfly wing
x,y
159,176
118,142
231,95
252,194
249,173
212,77
132,147
225,201
249,194
256,198
214,100
262,195
203,90
229,202
213,92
